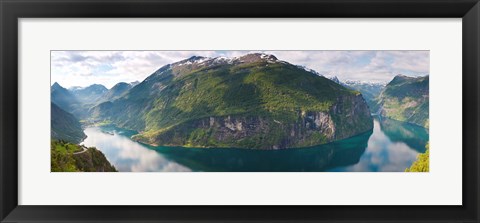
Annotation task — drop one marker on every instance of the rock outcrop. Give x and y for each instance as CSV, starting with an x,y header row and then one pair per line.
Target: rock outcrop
x,y
350,116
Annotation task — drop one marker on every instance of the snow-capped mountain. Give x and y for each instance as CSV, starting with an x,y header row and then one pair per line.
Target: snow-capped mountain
x,y
195,62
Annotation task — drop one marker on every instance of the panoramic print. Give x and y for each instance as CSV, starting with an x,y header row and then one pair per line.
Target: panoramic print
x,y
240,111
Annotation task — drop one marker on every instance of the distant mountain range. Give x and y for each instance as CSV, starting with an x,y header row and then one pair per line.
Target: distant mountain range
x,y
68,106
370,91
89,94
404,98
116,91
79,100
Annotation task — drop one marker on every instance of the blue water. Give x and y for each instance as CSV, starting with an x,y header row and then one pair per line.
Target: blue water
x,y
392,146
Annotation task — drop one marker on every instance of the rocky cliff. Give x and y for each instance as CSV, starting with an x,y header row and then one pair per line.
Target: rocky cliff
x,y
348,117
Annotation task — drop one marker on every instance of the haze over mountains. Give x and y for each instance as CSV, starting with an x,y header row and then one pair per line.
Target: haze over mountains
x,y
252,101
370,90
89,94
65,126
403,98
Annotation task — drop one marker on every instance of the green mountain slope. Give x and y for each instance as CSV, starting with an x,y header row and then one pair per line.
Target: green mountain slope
x,y
254,101
65,126
422,164
406,99
67,157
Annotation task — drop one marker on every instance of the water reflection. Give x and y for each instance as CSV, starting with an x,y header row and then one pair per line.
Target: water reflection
x,y
318,158
413,135
391,146
127,155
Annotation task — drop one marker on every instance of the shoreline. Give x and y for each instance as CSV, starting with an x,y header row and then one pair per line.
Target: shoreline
x,y
243,148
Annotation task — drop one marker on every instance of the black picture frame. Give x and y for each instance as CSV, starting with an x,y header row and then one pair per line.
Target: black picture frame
x,y
12,10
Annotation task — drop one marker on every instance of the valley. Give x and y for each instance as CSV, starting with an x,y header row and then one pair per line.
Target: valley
x,y
252,104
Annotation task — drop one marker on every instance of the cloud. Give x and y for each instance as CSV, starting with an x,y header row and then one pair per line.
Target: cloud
x,y
414,61
376,66
83,68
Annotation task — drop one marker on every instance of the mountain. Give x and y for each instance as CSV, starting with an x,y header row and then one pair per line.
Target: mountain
x,y
116,91
90,94
406,99
252,101
336,80
63,98
370,92
309,70
134,83
74,88
65,126
67,101
68,157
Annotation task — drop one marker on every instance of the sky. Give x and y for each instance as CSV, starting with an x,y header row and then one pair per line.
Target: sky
x,y
83,68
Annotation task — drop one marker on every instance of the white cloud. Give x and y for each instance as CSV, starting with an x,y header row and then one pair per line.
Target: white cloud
x,y
414,61
82,68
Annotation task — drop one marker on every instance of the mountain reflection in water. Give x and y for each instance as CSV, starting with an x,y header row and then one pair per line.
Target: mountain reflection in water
x,y
391,146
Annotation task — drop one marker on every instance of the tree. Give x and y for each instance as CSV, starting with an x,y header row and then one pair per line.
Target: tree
x,y
422,163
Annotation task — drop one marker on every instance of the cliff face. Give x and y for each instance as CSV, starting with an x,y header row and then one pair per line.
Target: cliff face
x,y
93,160
262,132
352,116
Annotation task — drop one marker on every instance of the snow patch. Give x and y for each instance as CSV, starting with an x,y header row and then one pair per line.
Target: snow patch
x,y
200,61
223,60
309,70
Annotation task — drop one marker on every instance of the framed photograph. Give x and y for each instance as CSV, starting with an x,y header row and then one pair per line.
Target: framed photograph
x,y
125,111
